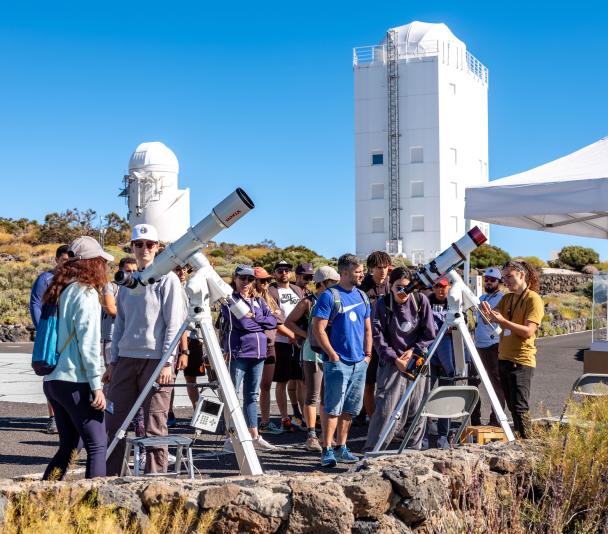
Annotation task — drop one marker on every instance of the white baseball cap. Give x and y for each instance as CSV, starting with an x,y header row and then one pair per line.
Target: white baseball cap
x,y
493,272
144,231
87,248
325,273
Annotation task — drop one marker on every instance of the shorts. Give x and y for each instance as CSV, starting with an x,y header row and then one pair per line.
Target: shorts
x,y
344,386
287,366
313,377
372,369
195,359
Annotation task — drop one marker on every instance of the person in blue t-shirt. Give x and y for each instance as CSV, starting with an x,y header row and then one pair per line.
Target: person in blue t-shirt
x,y
342,328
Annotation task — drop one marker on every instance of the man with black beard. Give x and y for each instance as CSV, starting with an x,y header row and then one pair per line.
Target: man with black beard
x,y
486,345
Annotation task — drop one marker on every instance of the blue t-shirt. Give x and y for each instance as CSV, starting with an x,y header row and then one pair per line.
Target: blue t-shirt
x,y
348,327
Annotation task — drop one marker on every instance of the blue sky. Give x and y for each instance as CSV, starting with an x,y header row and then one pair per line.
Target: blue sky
x,y
260,95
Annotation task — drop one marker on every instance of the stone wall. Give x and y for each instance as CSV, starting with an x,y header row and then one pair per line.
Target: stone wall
x,y
563,283
16,333
398,494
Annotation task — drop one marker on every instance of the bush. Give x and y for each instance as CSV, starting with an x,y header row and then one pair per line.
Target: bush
x,y
577,257
533,260
487,256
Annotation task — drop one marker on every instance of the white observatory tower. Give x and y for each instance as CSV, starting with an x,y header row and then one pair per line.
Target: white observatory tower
x,y
421,137
152,191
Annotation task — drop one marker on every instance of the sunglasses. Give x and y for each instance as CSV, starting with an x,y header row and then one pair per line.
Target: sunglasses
x,y
283,271
308,277
245,278
148,244
401,290
264,280
490,279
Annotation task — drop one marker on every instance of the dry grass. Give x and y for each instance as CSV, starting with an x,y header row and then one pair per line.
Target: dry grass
x,y
57,513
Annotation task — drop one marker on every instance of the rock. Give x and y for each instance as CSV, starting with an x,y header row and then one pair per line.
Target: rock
x,y
4,502
370,495
270,501
157,493
234,519
124,496
590,269
217,496
386,524
319,509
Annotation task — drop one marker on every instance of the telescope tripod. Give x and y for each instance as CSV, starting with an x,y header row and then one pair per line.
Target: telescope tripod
x,y
201,289
460,298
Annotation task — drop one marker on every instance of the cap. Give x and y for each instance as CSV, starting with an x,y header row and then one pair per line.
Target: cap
x,y
443,282
325,273
282,265
493,272
261,273
305,268
244,270
144,231
87,248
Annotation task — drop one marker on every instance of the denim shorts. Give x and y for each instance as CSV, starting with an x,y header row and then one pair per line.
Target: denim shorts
x,y
344,383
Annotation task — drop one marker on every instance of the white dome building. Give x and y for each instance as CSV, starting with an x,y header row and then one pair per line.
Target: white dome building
x,y
152,192
421,137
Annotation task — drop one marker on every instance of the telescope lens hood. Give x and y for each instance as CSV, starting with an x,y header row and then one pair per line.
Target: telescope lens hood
x,y
245,198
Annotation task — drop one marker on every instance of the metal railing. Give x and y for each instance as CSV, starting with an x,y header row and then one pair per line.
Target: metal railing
x,y
477,68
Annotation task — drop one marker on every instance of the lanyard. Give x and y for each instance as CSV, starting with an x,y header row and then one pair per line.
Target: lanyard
x,y
513,307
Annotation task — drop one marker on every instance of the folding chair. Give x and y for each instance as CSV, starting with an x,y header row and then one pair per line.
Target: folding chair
x,y
450,402
587,385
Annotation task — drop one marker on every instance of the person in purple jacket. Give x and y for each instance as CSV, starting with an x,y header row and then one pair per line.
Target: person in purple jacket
x,y
401,322
245,344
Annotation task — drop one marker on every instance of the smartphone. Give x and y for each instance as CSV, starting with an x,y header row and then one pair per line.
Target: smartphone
x,y
109,406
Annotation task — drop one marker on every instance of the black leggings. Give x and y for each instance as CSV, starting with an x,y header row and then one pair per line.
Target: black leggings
x,y
76,419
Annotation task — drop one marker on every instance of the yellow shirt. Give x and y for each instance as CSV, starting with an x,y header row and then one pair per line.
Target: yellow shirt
x,y
518,309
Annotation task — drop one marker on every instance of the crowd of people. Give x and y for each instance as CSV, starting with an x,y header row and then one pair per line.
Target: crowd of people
x,y
335,343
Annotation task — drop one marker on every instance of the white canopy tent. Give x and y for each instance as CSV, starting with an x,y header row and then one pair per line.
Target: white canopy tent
x,y
568,196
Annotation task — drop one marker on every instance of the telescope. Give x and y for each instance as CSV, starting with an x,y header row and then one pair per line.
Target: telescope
x,y
428,275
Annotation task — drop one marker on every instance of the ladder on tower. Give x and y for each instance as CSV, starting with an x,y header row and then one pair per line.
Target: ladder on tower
x,y
394,209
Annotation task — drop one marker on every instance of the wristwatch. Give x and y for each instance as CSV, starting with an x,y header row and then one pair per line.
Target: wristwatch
x,y
186,352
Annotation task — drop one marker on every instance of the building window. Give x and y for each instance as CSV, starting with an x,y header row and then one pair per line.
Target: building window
x,y
377,191
416,189
417,257
378,158
416,154
454,190
417,223
452,88
377,225
454,156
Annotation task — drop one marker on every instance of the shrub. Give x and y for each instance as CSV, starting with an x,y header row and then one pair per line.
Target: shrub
x,y
577,257
488,256
534,260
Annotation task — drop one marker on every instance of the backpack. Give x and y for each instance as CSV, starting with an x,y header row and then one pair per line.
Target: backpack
x,y
45,355
336,309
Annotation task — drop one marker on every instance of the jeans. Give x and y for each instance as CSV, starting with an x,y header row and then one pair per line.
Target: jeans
x,y
516,380
344,385
76,419
249,372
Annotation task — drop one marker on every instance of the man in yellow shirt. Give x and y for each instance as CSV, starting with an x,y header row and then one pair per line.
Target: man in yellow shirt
x,y
519,314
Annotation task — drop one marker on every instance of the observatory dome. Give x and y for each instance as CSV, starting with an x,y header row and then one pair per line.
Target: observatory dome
x,y
417,37
154,157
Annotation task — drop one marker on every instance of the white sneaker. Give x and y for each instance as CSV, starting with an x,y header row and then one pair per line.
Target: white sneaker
x,y
228,447
442,443
171,459
261,444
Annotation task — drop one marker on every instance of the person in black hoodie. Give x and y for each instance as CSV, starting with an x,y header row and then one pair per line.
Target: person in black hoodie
x,y
400,323
375,284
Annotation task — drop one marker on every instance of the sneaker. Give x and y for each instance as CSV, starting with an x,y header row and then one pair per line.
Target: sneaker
x,y
345,456
228,447
171,420
269,428
297,423
442,443
328,459
286,425
171,459
312,444
261,444
51,426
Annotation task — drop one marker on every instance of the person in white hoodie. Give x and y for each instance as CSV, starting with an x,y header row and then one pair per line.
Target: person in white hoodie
x,y
146,323
73,388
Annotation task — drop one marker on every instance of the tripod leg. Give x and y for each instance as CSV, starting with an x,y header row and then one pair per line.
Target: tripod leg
x,y
122,431
498,411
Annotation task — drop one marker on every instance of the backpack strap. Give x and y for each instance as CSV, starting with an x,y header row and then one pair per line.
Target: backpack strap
x,y
337,307
69,340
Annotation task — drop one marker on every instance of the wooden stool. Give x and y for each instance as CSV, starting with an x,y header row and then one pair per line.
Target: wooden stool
x,y
482,434
179,442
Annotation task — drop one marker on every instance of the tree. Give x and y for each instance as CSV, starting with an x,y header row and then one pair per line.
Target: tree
x,y
117,229
488,256
577,257
292,254
67,226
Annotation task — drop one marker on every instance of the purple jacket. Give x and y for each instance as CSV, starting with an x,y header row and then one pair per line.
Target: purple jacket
x,y
245,338
406,328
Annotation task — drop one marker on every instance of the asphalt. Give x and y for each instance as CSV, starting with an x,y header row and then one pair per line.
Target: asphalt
x,y
26,449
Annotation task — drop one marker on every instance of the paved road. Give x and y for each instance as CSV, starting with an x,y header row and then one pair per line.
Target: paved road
x,y
26,449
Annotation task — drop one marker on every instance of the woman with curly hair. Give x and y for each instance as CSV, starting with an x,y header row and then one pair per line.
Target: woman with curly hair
x,y
519,314
74,388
